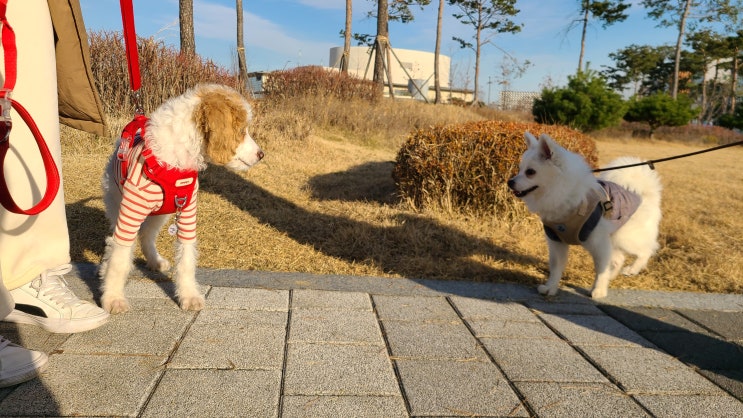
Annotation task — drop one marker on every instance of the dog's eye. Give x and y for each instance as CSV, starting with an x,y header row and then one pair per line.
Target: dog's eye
x,y
530,172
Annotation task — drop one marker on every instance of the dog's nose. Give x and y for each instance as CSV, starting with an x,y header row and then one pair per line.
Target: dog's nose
x,y
260,155
511,183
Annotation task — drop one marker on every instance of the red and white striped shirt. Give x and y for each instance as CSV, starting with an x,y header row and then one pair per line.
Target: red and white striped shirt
x,y
141,196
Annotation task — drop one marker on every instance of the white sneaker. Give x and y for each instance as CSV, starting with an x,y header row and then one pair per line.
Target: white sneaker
x,y
48,302
18,364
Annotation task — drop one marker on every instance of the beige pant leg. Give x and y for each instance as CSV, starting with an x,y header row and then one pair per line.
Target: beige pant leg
x,y
6,301
32,244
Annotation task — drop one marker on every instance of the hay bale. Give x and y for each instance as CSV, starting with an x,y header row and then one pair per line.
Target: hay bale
x,y
464,167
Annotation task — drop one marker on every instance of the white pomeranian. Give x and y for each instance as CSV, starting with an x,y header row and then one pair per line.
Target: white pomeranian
x,y
610,216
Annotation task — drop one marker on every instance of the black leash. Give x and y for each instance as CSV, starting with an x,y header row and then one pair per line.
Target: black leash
x,y
651,163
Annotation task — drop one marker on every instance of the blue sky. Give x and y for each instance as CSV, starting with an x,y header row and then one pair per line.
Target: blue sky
x,y
287,33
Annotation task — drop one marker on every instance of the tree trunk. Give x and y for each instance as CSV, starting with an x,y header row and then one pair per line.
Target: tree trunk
x,y
679,41
242,66
734,81
380,42
703,113
478,47
583,37
347,38
185,18
437,52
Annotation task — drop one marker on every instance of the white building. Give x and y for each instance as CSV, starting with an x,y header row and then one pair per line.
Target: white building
x,y
722,75
408,68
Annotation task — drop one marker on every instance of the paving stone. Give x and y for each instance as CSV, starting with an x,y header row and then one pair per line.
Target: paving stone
x,y
155,304
335,326
339,369
646,370
233,340
135,332
564,308
248,299
420,309
488,309
431,340
541,360
205,393
675,300
496,328
86,291
457,388
730,380
727,324
146,288
86,385
699,350
32,337
651,319
574,400
595,330
230,361
491,291
669,406
321,299
344,406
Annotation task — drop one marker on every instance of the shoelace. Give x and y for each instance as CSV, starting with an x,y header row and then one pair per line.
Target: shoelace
x,y
53,285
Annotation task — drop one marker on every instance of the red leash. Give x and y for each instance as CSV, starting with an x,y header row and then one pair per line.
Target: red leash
x,y
130,42
6,102
178,185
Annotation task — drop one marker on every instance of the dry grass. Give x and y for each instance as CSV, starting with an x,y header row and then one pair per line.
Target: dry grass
x,y
702,229
329,206
323,200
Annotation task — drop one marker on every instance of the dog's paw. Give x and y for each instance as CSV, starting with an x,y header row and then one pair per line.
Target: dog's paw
x,y
630,271
160,264
543,289
193,303
115,305
599,293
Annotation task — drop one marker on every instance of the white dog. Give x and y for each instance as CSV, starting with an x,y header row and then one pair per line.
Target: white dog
x,y
153,173
614,215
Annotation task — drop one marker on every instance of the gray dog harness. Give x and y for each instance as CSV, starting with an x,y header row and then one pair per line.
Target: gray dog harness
x,y
608,200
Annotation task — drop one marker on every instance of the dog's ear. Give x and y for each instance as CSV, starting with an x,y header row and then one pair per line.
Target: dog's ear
x,y
546,147
222,119
531,140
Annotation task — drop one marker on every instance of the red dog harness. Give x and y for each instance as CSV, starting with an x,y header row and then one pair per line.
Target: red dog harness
x,y
177,185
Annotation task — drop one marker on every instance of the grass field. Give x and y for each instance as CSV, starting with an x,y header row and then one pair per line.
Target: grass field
x,y
326,205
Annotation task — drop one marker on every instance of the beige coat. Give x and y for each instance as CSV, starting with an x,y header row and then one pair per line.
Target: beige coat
x,y
80,105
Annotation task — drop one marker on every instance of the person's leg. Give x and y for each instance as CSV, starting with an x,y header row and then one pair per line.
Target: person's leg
x,y
34,250
6,300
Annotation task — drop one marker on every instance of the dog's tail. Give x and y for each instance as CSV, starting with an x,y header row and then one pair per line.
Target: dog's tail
x,y
641,179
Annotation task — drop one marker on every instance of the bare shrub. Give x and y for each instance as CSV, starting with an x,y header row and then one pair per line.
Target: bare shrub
x,y
276,126
464,167
319,82
165,72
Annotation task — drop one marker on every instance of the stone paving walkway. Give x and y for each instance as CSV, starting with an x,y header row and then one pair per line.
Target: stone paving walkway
x,y
291,345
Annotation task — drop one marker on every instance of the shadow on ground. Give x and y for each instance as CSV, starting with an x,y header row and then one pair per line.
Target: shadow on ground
x,y
716,354
368,182
415,246
705,340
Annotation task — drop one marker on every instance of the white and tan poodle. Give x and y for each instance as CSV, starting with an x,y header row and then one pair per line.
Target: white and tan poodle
x,y
153,173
